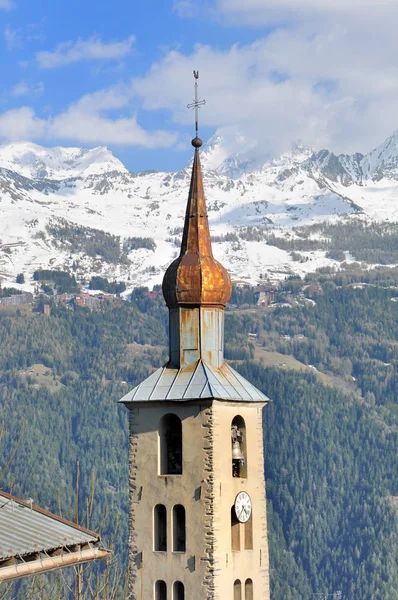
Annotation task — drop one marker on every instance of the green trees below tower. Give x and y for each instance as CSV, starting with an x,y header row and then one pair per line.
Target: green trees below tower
x,y
330,456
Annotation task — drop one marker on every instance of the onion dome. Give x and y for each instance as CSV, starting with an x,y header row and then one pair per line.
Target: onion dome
x,y
195,277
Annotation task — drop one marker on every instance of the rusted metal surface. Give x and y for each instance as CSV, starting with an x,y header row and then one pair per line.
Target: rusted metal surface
x,y
196,277
26,530
197,381
190,325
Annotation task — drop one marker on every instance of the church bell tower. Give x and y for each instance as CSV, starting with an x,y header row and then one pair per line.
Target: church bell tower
x,y
197,504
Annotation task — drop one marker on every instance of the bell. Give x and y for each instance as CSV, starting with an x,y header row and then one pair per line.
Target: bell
x,y
236,451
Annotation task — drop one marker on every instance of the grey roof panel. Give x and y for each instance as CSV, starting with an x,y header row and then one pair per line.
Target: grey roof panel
x,y
181,384
200,377
197,381
198,386
164,384
148,385
26,530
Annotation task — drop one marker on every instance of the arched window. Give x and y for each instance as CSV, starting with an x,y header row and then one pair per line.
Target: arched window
x,y
160,528
160,590
238,441
178,591
235,531
248,526
170,445
179,528
237,590
248,589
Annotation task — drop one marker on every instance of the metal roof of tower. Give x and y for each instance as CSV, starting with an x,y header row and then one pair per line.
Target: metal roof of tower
x,y
198,381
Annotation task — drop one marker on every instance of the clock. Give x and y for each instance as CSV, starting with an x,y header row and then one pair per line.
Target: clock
x,y
243,507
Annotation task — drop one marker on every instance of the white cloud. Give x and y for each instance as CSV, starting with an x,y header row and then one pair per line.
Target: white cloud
x,y
21,124
189,8
12,37
329,80
6,4
24,89
20,89
259,12
85,122
30,32
91,49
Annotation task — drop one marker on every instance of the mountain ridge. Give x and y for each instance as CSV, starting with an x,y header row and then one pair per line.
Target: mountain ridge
x,y
55,202
37,162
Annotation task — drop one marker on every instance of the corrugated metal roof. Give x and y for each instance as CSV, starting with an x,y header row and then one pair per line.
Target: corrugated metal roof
x,y
26,529
198,381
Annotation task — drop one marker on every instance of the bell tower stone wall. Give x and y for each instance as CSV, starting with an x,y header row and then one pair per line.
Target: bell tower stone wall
x,y
193,489
206,489
252,562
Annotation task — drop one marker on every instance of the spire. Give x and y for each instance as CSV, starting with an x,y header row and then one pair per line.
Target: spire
x,y
195,277
196,236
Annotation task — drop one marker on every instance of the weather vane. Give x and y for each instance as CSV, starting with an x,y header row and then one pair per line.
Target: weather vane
x,y
196,104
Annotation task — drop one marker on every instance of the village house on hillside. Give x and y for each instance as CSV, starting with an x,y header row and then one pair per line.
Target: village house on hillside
x,y
17,299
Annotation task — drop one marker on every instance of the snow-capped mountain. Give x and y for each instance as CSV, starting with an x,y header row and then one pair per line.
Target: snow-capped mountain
x,y
82,209
36,162
380,163
216,156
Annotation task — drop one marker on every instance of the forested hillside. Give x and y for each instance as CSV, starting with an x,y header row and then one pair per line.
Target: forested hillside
x,y
332,481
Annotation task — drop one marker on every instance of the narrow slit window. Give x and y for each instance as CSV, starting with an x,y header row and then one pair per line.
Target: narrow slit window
x,y
248,526
170,445
235,531
160,528
237,590
178,591
160,590
179,528
239,451
248,589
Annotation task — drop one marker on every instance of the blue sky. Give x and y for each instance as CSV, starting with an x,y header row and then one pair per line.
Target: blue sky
x,y
273,72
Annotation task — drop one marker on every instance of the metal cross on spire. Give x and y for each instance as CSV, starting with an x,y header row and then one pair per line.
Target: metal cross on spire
x,y
196,104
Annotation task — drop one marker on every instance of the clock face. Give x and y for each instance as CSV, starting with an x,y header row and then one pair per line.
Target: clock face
x,y
243,507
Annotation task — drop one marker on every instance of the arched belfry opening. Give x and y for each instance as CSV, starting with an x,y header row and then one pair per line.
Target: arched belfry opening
x,y
237,590
249,589
160,528
160,590
238,447
170,445
178,591
179,528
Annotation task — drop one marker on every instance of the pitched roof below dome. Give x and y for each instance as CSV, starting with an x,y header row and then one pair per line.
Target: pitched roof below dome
x,y
198,381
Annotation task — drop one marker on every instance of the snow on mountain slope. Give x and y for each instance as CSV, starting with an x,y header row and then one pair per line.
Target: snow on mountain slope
x,y
76,208
36,162
382,162
217,156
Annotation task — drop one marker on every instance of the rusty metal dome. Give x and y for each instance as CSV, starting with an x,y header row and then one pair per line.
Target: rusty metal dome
x,y
196,277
